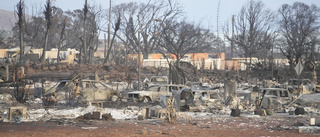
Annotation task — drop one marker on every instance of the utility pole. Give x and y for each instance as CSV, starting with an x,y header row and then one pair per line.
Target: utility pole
x,y
139,63
272,58
85,11
218,29
109,26
232,41
105,46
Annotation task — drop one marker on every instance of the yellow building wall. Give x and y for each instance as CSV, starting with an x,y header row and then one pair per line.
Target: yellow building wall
x,y
53,55
198,56
202,56
156,56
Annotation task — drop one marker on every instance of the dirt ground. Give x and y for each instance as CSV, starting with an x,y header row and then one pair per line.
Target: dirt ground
x,y
213,127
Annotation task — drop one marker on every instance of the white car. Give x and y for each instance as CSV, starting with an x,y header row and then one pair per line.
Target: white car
x,y
154,92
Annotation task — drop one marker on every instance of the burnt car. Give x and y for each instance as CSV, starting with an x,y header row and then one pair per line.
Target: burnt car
x,y
308,85
208,96
274,98
80,91
153,93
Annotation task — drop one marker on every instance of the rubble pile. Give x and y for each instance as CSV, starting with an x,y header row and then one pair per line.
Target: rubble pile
x,y
90,100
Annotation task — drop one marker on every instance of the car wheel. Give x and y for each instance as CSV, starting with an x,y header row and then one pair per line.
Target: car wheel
x,y
185,95
146,100
114,98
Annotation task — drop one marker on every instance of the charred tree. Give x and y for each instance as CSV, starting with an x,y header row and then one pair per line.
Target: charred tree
x,y
84,39
20,12
117,26
47,14
152,16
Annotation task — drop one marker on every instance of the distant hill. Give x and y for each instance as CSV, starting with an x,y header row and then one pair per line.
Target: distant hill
x,y
7,19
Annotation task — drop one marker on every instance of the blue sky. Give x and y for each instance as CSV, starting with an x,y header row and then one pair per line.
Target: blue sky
x,y
204,11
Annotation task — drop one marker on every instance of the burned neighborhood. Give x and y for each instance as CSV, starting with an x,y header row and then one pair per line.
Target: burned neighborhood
x,y
142,68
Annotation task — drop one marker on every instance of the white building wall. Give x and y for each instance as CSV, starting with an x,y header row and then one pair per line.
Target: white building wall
x,y
208,63
156,62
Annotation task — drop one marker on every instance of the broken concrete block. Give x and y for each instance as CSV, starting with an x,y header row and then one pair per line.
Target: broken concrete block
x,y
311,130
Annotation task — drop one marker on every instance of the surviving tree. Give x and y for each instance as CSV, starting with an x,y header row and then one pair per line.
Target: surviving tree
x,y
299,29
179,38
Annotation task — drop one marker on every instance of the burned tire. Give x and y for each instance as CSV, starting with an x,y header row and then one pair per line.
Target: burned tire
x,y
188,97
299,111
259,111
114,98
185,95
235,112
146,100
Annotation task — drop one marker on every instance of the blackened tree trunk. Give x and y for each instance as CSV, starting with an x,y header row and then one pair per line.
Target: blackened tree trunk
x,y
20,10
48,14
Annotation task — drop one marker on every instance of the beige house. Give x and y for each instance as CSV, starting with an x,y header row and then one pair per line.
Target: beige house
x,y
34,55
67,56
